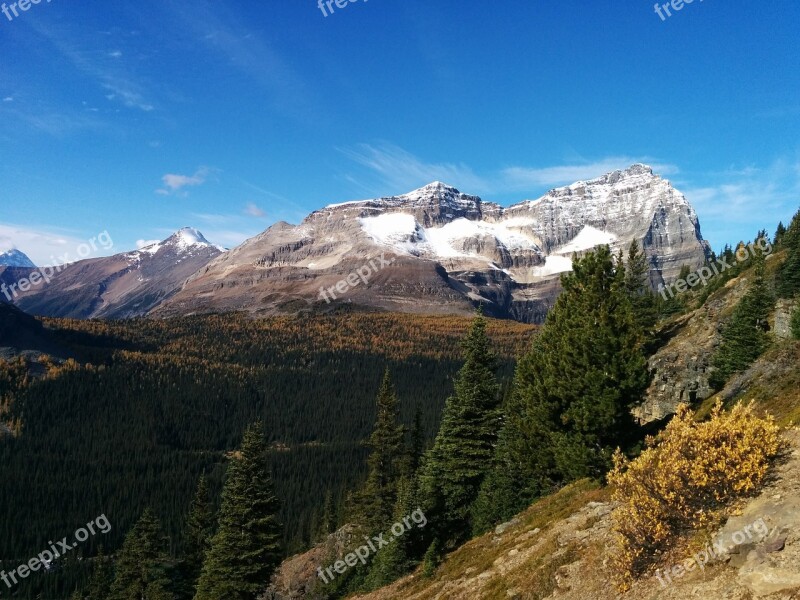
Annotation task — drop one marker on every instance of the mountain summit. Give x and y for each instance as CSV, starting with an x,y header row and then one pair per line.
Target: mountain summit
x,y
449,250
186,239
15,258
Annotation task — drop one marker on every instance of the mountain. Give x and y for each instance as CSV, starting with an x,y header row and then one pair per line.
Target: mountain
x,y
123,285
15,258
437,250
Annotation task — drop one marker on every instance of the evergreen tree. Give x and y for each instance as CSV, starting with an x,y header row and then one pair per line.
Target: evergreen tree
x,y
779,233
329,522
395,560
585,372
788,282
246,548
519,472
142,563
416,442
637,286
453,470
197,536
102,577
385,462
100,581
745,337
686,269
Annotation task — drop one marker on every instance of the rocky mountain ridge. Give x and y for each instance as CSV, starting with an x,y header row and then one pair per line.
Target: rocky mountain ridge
x,y
448,251
124,285
434,250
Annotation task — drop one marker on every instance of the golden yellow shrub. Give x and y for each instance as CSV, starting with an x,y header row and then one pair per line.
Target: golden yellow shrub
x,y
687,474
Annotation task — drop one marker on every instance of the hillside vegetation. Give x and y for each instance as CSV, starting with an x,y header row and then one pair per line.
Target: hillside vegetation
x,y
151,405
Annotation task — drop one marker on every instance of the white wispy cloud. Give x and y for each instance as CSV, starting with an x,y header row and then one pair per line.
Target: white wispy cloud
x,y
56,123
125,92
524,178
227,35
104,68
254,211
174,183
144,243
742,200
399,170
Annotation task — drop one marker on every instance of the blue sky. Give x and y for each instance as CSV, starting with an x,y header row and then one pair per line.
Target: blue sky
x,y
142,117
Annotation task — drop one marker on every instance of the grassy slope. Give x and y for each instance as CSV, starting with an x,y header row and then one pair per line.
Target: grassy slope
x,y
531,541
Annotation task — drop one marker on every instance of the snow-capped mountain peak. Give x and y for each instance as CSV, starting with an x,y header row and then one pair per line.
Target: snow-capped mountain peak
x,y
186,239
189,236
15,258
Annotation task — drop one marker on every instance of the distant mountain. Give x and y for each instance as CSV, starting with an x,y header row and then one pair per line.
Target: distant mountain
x,y
124,285
445,251
434,250
15,258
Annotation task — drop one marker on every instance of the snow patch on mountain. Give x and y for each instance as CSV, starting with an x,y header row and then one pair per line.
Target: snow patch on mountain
x,y
403,233
184,240
15,258
390,228
552,266
588,238
188,236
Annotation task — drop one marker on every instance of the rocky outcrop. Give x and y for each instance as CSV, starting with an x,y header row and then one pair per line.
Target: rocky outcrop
x,y
783,318
298,578
680,369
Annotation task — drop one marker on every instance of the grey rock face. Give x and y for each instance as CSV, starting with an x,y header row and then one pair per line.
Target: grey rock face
x,y
450,250
783,318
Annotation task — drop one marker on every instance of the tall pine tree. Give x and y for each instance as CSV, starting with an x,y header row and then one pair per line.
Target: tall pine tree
x,y
197,536
395,560
779,232
788,283
100,581
520,469
247,546
329,521
637,286
453,470
586,371
745,337
142,564
385,461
